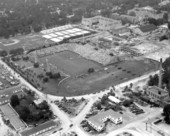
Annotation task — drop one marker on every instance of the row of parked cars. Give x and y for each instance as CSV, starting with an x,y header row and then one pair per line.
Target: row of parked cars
x,y
6,79
135,109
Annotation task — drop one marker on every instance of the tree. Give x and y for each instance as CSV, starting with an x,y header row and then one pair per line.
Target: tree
x,y
57,75
3,53
45,79
36,65
44,105
132,13
104,99
153,80
17,51
14,101
163,37
165,17
127,103
166,113
169,25
90,70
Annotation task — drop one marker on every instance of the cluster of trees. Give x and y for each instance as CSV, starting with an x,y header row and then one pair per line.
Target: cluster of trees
x,y
23,17
90,70
31,113
12,52
17,51
3,53
53,75
159,21
166,113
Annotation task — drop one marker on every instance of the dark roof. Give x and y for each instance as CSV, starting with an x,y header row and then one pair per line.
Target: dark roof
x,y
40,129
147,28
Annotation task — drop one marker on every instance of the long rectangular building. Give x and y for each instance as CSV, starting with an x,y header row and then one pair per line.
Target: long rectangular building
x,y
13,118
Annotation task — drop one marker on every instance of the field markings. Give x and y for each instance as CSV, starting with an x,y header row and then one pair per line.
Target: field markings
x,y
15,41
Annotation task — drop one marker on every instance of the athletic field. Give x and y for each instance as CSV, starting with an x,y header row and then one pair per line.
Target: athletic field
x,y
80,82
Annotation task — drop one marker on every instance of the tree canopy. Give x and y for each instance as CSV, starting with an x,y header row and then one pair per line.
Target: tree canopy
x,y
14,101
166,113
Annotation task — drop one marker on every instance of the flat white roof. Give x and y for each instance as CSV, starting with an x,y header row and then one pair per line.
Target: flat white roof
x,y
85,32
64,32
61,37
58,33
73,34
78,33
67,36
52,35
47,36
76,29
56,40
114,99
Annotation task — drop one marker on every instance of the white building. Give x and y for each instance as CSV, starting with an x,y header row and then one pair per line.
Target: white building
x,y
114,99
98,121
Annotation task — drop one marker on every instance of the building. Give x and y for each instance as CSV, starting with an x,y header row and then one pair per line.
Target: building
x,y
114,99
144,12
143,29
156,93
101,23
124,30
41,130
98,121
125,18
9,115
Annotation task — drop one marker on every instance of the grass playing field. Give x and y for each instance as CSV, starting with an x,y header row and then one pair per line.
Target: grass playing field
x,y
71,63
101,79
28,41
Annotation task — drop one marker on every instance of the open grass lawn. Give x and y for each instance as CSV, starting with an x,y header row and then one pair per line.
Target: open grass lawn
x,y
25,64
71,63
28,41
100,80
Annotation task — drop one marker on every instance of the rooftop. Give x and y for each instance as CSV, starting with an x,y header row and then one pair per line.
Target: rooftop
x,y
40,129
97,119
10,114
156,90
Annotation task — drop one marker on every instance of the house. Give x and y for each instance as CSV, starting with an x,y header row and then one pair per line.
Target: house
x,y
98,121
101,23
156,93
